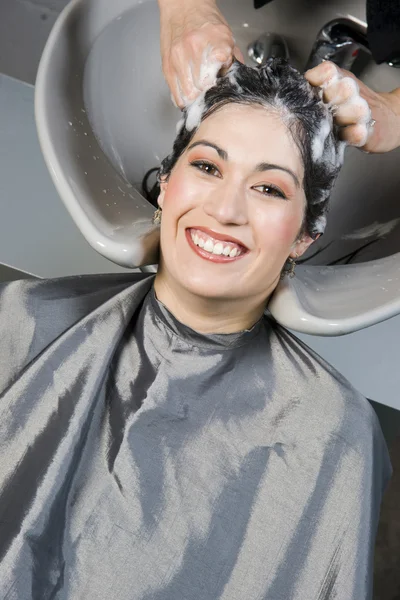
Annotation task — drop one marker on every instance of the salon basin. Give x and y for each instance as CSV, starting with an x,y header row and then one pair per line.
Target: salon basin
x,y
105,117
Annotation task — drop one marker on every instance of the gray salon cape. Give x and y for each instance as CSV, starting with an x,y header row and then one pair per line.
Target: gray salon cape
x,y
141,460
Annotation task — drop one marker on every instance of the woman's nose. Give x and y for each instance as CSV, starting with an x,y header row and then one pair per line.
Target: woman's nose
x,y
227,204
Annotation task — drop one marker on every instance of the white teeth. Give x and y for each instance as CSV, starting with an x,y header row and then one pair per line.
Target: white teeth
x,y
218,248
208,246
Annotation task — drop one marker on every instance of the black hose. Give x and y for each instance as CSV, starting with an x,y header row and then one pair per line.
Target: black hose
x,y
151,194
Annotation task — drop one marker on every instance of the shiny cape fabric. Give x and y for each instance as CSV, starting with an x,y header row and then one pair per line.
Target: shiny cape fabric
x,y
142,460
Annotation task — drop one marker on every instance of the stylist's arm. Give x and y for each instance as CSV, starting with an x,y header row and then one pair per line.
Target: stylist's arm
x,y
196,42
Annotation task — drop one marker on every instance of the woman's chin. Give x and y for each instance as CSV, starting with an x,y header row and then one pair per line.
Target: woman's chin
x,y
230,286
209,287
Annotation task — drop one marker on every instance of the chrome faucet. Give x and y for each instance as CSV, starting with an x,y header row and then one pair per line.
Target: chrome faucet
x,y
268,45
339,41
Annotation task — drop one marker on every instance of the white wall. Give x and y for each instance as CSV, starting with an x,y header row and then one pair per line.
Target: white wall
x,y
368,358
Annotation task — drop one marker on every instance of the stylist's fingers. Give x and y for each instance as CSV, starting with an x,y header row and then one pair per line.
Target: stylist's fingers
x,y
352,112
196,42
341,91
193,67
238,54
338,86
208,62
182,69
178,95
323,74
355,135
368,119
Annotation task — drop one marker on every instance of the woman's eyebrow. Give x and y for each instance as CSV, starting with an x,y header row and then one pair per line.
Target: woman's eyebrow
x,y
260,167
269,167
222,153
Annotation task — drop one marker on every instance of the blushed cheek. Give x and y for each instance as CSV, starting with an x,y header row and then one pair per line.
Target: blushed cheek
x,y
174,192
181,192
279,228
291,229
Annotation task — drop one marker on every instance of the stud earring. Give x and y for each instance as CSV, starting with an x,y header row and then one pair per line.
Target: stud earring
x,y
157,216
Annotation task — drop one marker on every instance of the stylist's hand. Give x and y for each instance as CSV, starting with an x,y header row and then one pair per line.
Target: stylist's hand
x,y
196,42
355,113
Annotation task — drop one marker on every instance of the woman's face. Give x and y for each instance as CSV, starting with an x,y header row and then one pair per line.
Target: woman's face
x,y
233,206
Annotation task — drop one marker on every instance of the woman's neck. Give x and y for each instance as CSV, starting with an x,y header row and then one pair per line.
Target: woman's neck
x,y
207,315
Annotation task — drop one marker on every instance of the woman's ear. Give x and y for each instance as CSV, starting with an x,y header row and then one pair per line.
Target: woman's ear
x,y
301,246
163,189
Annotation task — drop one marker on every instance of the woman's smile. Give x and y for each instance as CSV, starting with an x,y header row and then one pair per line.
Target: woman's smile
x,y
214,246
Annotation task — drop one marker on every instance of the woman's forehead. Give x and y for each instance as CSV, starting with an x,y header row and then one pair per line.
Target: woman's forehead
x,y
251,134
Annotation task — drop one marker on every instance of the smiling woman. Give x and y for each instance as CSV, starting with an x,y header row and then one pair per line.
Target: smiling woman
x,y
163,438
245,189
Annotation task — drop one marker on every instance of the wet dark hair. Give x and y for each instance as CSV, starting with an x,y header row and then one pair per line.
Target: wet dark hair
x,y
276,85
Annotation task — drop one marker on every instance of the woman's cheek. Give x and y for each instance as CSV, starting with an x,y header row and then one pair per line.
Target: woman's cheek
x,y
174,193
182,191
280,222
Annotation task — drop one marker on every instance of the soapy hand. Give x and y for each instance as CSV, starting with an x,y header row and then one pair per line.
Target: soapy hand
x,y
355,105
196,44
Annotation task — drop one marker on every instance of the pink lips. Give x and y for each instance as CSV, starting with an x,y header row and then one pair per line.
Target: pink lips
x,y
216,258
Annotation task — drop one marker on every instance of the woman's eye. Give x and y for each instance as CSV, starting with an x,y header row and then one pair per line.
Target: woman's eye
x,y
270,190
206,167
